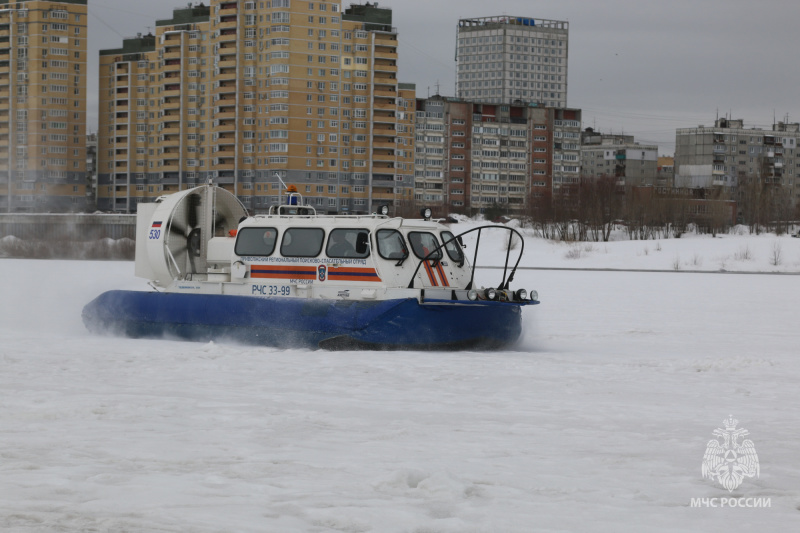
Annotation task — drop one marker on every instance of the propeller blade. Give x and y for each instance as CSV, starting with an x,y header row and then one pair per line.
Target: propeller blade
x,y
177,227
194,210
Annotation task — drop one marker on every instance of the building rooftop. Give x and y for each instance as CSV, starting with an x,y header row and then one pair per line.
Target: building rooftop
x,y
133,45
504,20
187,15
374,18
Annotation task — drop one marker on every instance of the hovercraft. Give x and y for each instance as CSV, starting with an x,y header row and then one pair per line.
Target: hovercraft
x,y
293,278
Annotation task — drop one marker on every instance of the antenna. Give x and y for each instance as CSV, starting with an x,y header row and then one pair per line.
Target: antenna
x,y
279,179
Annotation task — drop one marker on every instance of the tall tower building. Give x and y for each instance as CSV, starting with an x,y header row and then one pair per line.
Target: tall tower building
x,y
505,59
42,105
245,92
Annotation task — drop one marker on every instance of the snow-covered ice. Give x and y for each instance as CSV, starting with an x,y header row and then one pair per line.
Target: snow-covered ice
x,y
597,421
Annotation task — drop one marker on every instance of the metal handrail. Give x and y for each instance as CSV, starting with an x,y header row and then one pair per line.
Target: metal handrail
x,y
505,282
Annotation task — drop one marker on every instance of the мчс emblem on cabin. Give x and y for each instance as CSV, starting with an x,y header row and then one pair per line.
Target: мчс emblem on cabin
x,y
322,272
728,461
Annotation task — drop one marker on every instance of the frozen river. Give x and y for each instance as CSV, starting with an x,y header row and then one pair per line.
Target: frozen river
x,y
598,421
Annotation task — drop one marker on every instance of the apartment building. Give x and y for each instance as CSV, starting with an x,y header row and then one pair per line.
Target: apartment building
x,y
42,105
666,172
726,153
631,163
504,59
243,93
471,156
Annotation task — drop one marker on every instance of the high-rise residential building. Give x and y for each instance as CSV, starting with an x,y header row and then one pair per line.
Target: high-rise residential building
x,y
242,93
42,105
728,152
471,156
505,59
619,156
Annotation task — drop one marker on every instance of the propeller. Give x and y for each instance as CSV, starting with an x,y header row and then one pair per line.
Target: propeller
x,y
185,235
202,214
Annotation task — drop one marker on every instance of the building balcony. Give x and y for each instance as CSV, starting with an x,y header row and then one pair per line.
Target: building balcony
x,y
169,69
225,127
171,103
382,195
385,53
225,88
386,156
225,75
227,24
384,130
383,118
385,79
386,39
382,65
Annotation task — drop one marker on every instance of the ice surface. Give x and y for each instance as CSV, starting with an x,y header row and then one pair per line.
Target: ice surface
x,y
597,421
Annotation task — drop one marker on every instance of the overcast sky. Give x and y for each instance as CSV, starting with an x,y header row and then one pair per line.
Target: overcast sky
x,y
641,67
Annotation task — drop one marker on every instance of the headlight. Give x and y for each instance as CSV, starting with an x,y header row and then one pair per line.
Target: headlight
x,y
522,294
490,294
472,295
534,296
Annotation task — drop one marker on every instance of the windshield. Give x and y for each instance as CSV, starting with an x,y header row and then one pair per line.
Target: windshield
x,y
424,243
391,244
453,248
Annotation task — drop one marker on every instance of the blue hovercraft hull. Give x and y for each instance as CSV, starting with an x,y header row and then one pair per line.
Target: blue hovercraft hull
x,y
289,322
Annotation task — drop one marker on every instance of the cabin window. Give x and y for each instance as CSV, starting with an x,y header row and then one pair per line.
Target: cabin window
x,y
424,243
348,243
391,244
302,242
453,248
256,241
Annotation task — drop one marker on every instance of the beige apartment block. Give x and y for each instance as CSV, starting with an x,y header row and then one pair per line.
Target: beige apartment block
x,y
43,105
247,94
